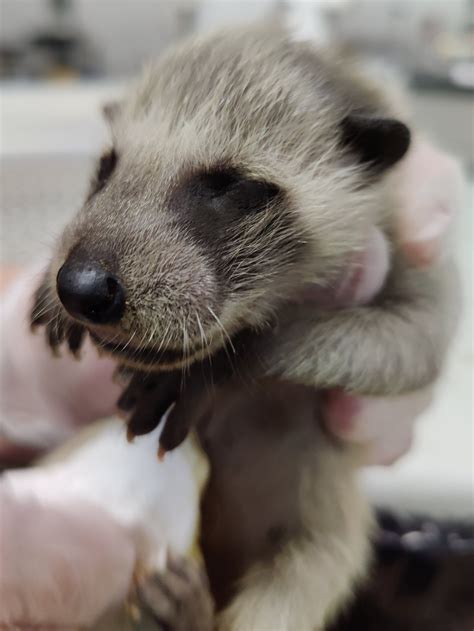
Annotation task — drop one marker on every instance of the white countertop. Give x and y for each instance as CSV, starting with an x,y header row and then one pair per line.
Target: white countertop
x,y
40,189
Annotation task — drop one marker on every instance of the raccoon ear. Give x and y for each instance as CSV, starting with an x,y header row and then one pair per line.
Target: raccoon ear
x,y
378,142
110,110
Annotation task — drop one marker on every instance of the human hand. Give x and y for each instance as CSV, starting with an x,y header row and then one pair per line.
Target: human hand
x,y
430,186
44,399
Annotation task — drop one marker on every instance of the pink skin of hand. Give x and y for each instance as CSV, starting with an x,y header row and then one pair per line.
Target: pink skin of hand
x,y
64,561
429,199
44,400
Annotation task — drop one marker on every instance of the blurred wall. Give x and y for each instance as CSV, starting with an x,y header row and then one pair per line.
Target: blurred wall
x,y
125,32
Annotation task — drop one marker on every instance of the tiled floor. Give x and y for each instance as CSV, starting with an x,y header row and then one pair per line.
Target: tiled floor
x,y
42,185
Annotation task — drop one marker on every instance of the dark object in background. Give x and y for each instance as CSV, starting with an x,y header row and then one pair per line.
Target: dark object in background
x,y
50,54
422,580
60,50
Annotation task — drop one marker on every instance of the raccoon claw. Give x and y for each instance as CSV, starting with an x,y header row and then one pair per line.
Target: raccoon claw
x,y
183,416
58,329
161,453
75,338
130,436
55,335
178,598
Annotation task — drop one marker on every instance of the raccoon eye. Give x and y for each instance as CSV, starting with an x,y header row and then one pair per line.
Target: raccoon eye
x,y
230,189
220,181
107,165
253,195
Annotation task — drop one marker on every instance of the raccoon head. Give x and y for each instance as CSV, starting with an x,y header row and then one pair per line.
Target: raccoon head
x,y
238,172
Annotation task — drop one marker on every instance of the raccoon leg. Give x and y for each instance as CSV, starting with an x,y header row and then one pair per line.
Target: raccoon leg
x,y
305,585
299,593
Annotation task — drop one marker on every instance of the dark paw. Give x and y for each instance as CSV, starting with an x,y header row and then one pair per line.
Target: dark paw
x,y
148,396
47,312
146,399
177,599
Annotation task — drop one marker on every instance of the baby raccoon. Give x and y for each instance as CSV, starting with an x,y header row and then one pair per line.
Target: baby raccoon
x,y
245,167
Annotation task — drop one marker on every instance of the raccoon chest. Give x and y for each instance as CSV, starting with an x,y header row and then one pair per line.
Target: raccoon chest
x,y
258,444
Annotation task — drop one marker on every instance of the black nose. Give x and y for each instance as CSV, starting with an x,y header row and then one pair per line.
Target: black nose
x,y
90,293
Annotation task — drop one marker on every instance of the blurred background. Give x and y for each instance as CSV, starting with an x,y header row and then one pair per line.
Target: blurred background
x,y
60,60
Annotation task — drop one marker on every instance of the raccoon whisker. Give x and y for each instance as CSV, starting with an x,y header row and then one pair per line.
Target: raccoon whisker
x,y
119,347
183,363
206,347
162,350
162,345
114,340
222,327
46,304
204,341
56,326
115,337
152,334
53,318
201,332
163,341
130,340
185,348
224,337
141,344
146,337
50,321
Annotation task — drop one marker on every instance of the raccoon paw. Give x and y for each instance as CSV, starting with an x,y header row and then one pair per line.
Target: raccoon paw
x,y
146,399
149,396
176,398
59,328
177,599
